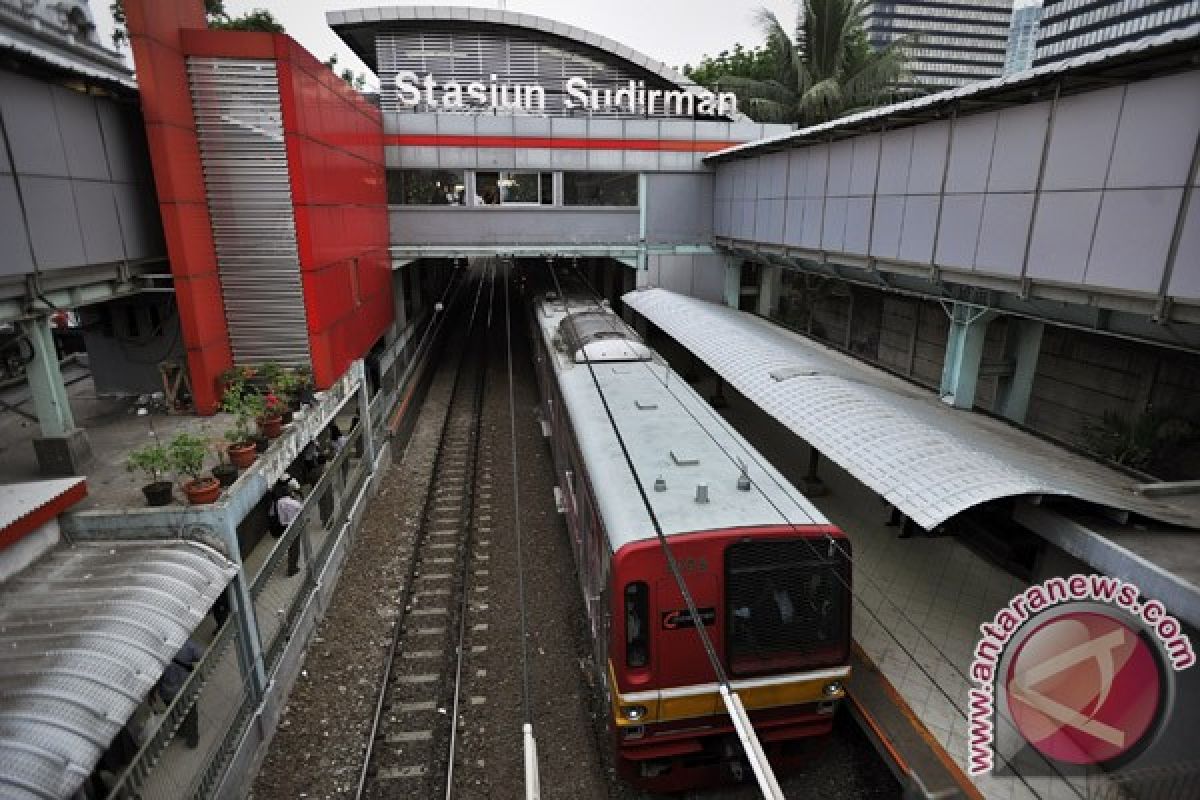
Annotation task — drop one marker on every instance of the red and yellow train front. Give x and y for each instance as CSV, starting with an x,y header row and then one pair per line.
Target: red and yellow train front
x,y
776,605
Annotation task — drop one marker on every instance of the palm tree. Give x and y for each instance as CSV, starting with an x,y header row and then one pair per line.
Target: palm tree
x,y
827,71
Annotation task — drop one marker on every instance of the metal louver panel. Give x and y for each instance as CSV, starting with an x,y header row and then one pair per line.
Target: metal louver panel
x,y
467,54
239,124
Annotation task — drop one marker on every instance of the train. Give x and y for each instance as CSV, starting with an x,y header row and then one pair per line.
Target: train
x,y
643,463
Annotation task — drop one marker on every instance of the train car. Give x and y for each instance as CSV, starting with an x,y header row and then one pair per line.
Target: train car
x,y
770,576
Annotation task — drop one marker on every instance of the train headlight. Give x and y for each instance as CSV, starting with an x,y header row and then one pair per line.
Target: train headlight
x,y
834,689
633,713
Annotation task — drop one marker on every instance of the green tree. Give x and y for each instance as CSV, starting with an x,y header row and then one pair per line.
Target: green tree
x,y
827,70
256,20
757,64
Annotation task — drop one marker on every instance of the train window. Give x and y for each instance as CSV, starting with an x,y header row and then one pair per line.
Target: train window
x,y
637,625
788,606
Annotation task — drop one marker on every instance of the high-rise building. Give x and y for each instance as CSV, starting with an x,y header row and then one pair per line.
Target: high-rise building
x,y
1074,27
955,42
1022,38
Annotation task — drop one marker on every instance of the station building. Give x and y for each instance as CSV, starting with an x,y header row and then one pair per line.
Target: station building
x,y
1020,255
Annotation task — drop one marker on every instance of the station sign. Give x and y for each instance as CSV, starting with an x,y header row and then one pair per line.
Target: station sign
x,y
496,96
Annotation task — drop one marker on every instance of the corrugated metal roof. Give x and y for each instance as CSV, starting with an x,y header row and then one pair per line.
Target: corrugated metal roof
x,y
1032,78
61,59
85,633
925,458
19,500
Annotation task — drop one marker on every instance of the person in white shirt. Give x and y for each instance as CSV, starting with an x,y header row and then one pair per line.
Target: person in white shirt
x,y
287,507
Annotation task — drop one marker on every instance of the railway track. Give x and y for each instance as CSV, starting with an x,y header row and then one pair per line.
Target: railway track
x,y
416,728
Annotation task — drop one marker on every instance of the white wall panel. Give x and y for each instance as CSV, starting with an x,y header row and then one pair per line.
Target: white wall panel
x,y
1132,238
841,160
916,235
1084,128
1016,156
1185,277
1062,234
1001,248
1157,135
895,161
971,153
858,225
865,165
959,230
928,158
885,236
833,228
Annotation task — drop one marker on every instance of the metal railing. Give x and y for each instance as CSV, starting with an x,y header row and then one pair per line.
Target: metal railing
x,y
221,688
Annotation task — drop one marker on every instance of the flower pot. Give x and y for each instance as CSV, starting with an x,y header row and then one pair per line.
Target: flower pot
x,y
271,426
242,454
202,491
261,443
158,493
225,474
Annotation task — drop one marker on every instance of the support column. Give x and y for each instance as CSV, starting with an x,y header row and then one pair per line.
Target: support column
x,y
964,353
1024,347
733,282
250,655
364,422
768,290
62,449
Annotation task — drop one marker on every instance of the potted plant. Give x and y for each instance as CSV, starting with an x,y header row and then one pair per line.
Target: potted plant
x,y
284,383
225,472
153,461
243,404
270,418
187,458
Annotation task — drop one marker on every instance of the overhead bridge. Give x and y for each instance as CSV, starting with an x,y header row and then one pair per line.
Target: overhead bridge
x,y
1069,184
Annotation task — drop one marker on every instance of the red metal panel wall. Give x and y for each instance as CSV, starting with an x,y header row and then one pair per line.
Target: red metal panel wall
x,y
335,156
155,28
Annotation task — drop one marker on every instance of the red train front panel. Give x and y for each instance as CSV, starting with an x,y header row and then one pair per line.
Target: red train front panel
x,y
775,603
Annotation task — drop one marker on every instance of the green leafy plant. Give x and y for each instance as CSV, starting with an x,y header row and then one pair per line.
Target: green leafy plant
x,y
187,452
246,406
153,461
1138,441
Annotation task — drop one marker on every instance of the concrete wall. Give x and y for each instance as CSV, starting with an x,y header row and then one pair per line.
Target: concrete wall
x,y
679,208
698,275
127,339
1079,377
489,225
75,184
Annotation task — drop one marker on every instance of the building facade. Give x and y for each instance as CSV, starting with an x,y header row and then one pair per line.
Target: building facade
x,y
1022,38
1073,27
951,43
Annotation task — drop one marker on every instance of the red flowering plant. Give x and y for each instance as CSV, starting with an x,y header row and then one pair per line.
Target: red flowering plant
x,y
273,405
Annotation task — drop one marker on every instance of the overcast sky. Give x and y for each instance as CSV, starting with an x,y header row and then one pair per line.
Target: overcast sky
x,y
675,31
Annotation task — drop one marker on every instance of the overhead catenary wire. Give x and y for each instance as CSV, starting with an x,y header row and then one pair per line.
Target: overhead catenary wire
x,y
745,730
529,742
757,459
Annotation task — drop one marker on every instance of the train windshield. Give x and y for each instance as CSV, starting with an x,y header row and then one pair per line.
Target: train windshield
x,y
787,606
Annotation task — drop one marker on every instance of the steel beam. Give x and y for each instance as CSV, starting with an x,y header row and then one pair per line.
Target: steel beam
x,y
964,353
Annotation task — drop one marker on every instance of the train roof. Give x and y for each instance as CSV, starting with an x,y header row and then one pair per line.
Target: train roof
x,y
671,433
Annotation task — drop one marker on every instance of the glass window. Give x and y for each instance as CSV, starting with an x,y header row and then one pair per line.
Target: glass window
x,y
426,187
514,188
600,189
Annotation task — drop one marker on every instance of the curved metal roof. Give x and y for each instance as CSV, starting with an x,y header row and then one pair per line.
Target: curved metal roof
x,y
923,457
491,16
85,633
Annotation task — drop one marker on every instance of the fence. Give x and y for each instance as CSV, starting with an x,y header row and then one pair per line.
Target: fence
x,y
222,690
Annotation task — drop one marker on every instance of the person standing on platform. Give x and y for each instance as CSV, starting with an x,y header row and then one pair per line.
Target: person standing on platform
x,y
287,508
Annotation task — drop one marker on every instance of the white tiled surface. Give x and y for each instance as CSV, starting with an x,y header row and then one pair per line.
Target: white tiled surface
x,y
920,602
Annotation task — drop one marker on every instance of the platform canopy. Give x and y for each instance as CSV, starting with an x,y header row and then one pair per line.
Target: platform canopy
x,y
925,458
85,633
